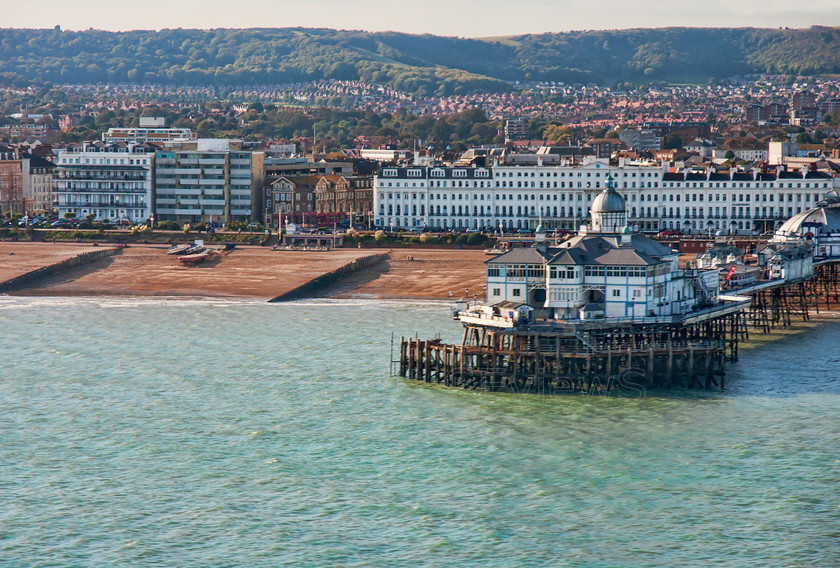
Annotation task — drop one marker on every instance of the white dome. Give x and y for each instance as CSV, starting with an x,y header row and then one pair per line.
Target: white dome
x,y
828,217
608,201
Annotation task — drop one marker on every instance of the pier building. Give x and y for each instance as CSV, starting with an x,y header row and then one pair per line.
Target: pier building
x,y
819,227
605,309
605,271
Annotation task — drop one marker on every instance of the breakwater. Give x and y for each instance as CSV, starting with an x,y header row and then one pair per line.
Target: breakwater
x,y
329,278
30,278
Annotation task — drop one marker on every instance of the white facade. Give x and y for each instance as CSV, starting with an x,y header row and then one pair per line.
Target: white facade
x,y
746,154
154,135
517,197
37,177
109,181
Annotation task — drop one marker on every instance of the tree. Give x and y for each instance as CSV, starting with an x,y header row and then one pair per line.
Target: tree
x,y
673,141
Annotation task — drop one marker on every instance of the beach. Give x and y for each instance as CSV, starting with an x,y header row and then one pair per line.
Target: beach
x,y
252,272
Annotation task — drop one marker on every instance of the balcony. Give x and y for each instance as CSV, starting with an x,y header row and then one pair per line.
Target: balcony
x,y
103,203
99,176
83,190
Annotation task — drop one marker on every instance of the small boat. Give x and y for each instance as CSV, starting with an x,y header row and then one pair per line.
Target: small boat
x,y
192,259
178,249
194,249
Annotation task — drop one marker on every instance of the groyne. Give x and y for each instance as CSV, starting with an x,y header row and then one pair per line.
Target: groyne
x,y
31,278
320,282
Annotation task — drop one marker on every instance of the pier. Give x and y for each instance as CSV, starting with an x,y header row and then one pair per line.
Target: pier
x,y
688,352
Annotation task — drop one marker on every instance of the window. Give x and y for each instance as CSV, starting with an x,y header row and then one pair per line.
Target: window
x,y
497,291
594,271
616,293
516,291
494,269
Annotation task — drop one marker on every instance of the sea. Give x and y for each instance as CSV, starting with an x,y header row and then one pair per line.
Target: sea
x,y
215,433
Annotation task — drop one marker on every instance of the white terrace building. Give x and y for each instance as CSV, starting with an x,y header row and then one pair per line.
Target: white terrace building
x,y
110,181
518,197
606,270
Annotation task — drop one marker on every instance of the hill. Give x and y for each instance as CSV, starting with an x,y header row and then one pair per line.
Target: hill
x,y
418,64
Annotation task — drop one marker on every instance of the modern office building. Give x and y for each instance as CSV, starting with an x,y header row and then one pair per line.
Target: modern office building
x,y
211,180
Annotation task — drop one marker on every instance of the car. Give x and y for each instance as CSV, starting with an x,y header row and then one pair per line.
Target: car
x,y
122,222
668,233
61,223
30,221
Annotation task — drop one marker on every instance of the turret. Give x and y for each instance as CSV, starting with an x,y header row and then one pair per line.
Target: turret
x,y
608,210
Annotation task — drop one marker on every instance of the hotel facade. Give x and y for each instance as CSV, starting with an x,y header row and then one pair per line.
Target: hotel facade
x,y
658,197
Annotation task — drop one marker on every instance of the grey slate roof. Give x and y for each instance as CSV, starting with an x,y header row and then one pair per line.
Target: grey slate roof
x,y
522,255
596,248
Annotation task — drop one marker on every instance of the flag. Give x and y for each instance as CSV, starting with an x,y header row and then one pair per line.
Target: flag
x,y
729,274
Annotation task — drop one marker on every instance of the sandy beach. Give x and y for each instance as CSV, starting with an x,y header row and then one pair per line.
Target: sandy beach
x,y
246,272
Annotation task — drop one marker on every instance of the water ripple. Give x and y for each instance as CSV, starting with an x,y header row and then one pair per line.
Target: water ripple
x,y
221,433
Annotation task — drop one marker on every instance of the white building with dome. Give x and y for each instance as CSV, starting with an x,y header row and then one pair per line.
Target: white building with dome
x,y
819,226
605,271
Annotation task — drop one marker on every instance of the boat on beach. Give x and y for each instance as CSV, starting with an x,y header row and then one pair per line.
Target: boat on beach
x,y
197,258
194,249
179,249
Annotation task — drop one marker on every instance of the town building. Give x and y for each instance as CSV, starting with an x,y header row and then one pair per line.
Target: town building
x,y
109,181
516,129
747,154
37,178
139,135
210,180
703,148
605,147
516,197
344,199
804,109
11,183
291,199
640,139
276,167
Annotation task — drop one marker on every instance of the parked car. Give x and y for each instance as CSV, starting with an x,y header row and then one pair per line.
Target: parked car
x,y
61,223
122,222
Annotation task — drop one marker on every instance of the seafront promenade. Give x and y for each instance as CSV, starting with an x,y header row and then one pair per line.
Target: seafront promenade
x,y
246,272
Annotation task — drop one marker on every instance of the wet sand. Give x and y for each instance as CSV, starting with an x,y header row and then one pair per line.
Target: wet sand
x,y
247,272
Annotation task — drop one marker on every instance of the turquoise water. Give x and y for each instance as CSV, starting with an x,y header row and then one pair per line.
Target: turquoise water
x,y
210,433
